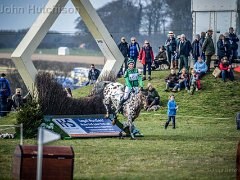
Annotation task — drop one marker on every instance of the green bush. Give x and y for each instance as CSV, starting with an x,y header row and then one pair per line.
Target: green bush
x,y
31,117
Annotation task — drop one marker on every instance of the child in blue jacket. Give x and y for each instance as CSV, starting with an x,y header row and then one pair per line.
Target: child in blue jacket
x,y
172,109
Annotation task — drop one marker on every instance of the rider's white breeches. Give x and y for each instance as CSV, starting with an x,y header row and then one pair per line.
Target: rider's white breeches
x,y
128,90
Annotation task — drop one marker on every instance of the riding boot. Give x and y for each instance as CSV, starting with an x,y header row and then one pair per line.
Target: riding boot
x,y
120,106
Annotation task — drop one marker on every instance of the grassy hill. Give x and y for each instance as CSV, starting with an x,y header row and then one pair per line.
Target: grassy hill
x,y
203,145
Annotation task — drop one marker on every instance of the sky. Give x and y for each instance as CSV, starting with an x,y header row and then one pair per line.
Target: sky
x,y
20,14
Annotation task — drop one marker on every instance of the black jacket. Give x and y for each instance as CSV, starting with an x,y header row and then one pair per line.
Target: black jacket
x,y
123,47
93,75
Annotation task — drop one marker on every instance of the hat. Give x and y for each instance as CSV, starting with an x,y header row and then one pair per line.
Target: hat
x,y
130,61
3,75
170,32
210,30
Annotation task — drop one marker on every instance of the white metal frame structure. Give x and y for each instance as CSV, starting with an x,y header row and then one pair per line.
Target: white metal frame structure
x,y
22,54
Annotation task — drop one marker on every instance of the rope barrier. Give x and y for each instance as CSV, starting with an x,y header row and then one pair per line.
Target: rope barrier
x,y
198,117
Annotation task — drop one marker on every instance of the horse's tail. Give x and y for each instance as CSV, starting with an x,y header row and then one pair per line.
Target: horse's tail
x,y
98,88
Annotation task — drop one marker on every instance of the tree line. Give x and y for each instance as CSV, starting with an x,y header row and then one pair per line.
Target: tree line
x,y
144,19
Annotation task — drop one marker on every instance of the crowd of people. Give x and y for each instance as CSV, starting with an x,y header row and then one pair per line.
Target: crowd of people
x,y
176,51
175,55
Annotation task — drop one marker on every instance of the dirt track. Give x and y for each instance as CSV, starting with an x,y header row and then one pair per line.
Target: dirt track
x,y
72,59
97,60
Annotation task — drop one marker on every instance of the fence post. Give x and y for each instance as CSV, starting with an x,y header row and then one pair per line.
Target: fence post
x,y
21,134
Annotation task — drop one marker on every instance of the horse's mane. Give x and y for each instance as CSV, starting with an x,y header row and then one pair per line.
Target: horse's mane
x,y
98,88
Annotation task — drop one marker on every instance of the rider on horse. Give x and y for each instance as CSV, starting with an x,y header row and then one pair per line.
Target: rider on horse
x,y
133,79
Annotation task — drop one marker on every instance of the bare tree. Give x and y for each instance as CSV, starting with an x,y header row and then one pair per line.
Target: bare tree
x,y
155,15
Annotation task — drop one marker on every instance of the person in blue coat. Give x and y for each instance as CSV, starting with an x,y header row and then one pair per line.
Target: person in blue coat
x,y
172,111
133,50
200,67
5,92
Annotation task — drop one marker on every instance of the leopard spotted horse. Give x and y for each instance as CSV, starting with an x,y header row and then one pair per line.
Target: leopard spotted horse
x,y
112,94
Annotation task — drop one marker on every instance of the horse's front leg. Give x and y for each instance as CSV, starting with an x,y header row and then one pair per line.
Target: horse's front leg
x,y
107,107
130,123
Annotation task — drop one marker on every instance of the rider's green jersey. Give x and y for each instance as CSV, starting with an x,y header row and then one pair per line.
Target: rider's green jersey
x,y
133,78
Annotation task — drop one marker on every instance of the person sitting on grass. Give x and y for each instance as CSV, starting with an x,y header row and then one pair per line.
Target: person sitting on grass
x,y
172,111
153,97
183,79
200,67
172,81
226,69
194,82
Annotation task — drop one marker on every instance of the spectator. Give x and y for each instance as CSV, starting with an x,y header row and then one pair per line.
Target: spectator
x,y
153,97
161,58
123,47
171,45
202,39
223,47
226,69
196,48
134,49
183,79
18,99
233,39
172,81
208,48
200,67
133,79
172,111
194,82
178,38
5,92
68,91
184,49
146,57
93,74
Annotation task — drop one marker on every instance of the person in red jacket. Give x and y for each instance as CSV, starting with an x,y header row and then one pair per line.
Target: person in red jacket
x,y
226,69
146,57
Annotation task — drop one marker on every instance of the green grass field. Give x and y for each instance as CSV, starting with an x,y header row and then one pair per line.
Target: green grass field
x,y
203,146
